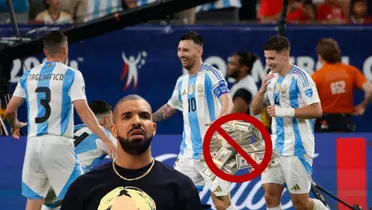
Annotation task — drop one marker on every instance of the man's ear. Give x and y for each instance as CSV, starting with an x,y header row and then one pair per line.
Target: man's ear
x,y
154,131
113,130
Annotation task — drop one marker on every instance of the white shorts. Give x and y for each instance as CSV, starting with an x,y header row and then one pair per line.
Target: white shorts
x,y
50,161
294,172
193,169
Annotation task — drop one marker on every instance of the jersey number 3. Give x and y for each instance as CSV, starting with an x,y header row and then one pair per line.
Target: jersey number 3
x,y
192,104
45,103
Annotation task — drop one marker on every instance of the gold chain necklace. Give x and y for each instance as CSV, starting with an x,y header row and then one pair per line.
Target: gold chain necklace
x,y
133,179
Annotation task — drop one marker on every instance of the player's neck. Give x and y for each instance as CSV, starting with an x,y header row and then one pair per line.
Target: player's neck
x,y
241,76
196,68
287,68
125,160
55,59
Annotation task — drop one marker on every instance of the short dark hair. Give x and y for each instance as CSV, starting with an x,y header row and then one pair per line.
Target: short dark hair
x,y
277,43
195,37
53,42
247,59
100,107
329,50
129,97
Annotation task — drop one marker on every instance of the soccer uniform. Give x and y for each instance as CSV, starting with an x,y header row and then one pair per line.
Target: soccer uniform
x,y
90,151
293,138
50,160
197,97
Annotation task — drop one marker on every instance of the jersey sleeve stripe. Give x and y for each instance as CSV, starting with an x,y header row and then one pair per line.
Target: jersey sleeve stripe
x,y
303,77
214,71
66,100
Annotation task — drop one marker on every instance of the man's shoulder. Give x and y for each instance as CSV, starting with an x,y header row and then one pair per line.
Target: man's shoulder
x,y
170,172
96,174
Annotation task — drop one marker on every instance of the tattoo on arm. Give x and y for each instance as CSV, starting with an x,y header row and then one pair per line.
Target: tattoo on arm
x,y
163,113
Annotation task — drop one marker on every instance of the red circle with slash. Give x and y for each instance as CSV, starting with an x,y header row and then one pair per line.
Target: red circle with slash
x,y
258,168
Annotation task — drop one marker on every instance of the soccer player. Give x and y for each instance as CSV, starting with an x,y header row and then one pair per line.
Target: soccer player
x,y
337,82
203,96
293,103
89,147
133,180
51,90
240,67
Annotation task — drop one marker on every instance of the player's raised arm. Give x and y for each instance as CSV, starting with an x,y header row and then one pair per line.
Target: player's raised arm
x,y
163,113
366,86
261,99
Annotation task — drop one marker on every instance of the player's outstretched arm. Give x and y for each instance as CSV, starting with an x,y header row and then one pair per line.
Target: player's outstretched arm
x,y
360,108
88,117
165,112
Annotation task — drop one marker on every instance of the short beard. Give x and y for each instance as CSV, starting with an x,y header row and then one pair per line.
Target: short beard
x,y
136,146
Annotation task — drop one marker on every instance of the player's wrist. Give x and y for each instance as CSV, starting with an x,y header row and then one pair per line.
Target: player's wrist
x,y
284,112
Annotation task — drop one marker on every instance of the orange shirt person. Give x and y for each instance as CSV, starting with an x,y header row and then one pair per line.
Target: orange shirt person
x,y
336,82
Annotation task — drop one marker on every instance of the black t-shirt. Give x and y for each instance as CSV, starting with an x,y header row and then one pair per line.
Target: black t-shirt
x,y
162,189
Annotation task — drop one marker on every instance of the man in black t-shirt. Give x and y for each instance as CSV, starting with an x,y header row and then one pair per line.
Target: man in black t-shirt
x,y
133,180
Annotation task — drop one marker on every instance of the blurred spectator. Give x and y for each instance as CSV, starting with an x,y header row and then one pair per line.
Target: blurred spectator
x,y
336,82
358,12
221,11
245,89
300,11
53,14
21,9
77,8
97,9
331,12
269,11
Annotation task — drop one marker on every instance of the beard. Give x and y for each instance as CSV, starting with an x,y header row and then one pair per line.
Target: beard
x,y
135,146
234,75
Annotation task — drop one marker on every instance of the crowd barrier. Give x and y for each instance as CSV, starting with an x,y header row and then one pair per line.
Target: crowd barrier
x,y
143,59
343,166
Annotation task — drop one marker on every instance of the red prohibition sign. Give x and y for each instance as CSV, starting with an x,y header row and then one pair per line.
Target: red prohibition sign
x,y
258,168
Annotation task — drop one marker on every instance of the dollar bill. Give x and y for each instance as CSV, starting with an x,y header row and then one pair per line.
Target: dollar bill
x,y
230,167
208,173
222,157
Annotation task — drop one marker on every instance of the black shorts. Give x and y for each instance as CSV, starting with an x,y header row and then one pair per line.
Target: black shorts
x,y
335,123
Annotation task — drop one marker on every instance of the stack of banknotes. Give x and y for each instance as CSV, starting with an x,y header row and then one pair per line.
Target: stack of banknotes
x,y
227,159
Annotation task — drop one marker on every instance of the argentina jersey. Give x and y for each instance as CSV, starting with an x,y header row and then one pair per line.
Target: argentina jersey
x,y
293,136
89,148
100,8
197,97
220,4
47,89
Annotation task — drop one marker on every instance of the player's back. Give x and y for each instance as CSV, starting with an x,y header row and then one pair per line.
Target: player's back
x,y
49,105
336,83
89,147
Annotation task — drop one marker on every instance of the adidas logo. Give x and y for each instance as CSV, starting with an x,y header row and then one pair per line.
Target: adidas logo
x,y
218,189
296,187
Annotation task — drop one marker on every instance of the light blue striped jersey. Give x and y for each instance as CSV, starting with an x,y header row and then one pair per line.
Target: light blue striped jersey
x,y
220,4
49,90
89,147
144,2
101,8
293,136
197,97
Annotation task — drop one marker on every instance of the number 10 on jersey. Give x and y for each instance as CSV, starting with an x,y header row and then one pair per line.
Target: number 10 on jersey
x,y
192,104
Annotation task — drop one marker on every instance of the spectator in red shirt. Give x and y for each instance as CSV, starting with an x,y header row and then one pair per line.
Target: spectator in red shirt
x,y
331,12
269,11
300,12
358,12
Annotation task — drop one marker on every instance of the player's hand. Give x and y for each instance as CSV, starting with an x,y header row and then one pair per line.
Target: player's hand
x,y
271,110
265,82
16,128
111,149
359,110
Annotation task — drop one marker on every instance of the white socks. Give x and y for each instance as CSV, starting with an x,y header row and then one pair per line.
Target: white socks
x,y
275,208
318,205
